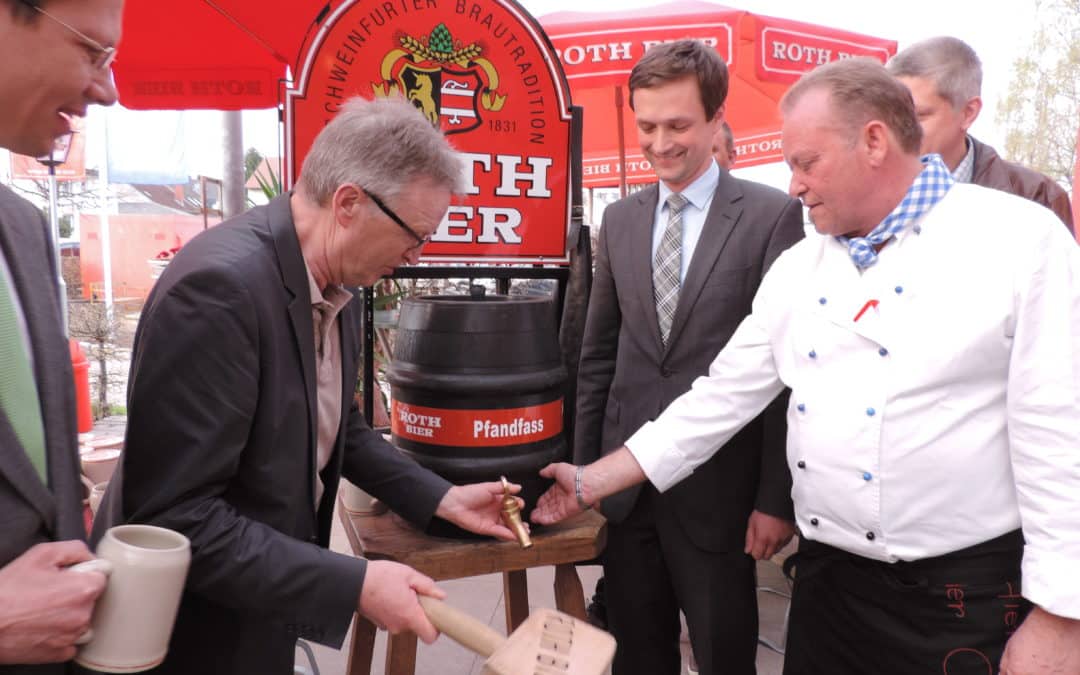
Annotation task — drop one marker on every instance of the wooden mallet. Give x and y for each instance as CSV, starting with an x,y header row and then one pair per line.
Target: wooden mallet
x,y
548,643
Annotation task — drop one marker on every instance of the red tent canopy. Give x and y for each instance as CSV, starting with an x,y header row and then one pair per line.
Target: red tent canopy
x,y
222,55
764,56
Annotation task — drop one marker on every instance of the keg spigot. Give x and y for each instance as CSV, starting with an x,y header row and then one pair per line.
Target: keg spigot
x,y
511,515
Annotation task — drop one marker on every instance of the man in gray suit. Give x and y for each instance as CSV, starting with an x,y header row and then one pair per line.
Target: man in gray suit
x,y
55,58
677,266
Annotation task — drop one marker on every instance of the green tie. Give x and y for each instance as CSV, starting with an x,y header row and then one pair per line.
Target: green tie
x,y
18,393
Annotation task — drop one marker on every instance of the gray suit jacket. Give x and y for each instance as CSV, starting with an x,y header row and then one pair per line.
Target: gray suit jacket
x,y
30,512
220,446
627,377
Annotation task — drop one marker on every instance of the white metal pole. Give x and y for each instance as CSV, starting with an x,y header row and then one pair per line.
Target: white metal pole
x,y
233,171
103,187
54,226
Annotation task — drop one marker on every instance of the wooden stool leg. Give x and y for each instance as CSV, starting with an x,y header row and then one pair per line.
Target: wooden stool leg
x,y
401,654
516,598
569,596
363,644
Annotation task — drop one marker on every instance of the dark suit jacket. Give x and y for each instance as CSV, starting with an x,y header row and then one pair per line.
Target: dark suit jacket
x,y
627,377
221,442
30,512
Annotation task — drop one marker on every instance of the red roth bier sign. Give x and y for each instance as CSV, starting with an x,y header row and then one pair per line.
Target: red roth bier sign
x,y
482,72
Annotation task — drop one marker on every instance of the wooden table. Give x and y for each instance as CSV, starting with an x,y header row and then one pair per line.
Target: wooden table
x,y
388,537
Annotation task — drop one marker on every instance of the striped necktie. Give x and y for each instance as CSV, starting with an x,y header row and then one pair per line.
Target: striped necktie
x,y
18,392
667,265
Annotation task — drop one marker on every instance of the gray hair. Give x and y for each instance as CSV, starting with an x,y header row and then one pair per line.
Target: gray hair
x,y
861,90
950,63
382,145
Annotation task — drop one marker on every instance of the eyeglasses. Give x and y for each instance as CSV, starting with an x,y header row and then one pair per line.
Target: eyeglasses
x,y
103,56
420,241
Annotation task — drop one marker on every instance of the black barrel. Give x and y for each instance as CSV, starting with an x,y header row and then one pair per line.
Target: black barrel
x,y
477,390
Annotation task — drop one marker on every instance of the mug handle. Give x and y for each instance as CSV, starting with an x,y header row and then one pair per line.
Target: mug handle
x,y
96,565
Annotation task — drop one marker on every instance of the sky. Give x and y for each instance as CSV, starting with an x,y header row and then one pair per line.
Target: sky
x,y
999,33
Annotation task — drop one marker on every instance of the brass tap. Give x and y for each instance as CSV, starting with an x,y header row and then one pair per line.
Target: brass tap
x,y
511,515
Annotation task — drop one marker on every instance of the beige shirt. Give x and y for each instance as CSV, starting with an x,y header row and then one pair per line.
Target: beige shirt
x,y
325,307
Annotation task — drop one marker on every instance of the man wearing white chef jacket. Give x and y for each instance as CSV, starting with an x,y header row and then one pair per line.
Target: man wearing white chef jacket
x,y
930,339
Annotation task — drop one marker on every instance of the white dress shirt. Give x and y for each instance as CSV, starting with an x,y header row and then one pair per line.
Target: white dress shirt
x,y
699,196
946,415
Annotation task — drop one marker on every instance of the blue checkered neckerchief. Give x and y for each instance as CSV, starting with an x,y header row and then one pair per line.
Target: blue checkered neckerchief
x,y
928,189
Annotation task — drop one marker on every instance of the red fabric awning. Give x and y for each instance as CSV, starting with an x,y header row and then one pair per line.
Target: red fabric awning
x,y
223,55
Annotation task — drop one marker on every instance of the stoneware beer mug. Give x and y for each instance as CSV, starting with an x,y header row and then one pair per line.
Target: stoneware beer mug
x,y
134,617
99,465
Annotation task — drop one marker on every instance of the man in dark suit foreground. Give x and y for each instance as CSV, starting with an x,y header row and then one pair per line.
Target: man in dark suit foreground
x,y
241,416
677,266
54,62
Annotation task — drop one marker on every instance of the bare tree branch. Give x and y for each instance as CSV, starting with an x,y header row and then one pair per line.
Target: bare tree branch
x,y
1041,111
91,323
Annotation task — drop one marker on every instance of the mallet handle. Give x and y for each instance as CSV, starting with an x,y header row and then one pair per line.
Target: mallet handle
x,y
462,628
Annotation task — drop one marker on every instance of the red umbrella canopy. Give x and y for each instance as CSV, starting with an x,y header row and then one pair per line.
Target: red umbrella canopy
x,y
215,54
764,56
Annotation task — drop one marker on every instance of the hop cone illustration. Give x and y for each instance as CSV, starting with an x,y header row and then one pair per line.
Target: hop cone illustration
x,y
440,41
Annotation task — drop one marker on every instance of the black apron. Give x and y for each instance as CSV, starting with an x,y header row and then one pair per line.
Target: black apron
x,y
947,615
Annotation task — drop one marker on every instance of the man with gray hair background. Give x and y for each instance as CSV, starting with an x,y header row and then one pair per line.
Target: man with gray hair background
x,y
241,416
944,75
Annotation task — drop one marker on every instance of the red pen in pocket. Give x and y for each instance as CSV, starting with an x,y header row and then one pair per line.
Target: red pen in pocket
x,y
868,305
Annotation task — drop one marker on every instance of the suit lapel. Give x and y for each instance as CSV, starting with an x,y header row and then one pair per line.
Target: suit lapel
x,y
20,473
41,312
724,211
641,234
294,278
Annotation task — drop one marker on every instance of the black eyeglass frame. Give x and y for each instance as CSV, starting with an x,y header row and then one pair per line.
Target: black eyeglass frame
x,y
420,241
